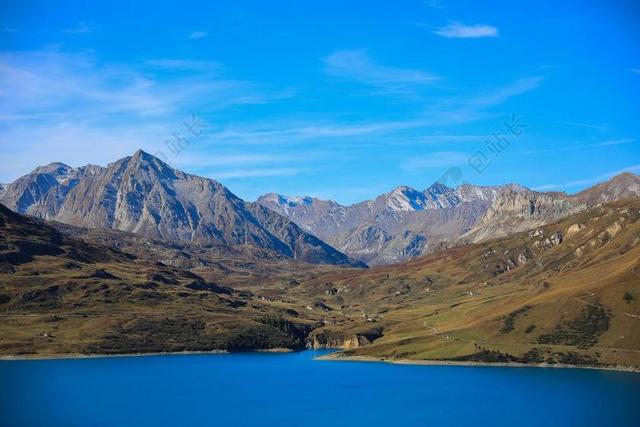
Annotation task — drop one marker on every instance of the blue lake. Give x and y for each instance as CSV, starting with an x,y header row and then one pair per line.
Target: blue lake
x,y
258,389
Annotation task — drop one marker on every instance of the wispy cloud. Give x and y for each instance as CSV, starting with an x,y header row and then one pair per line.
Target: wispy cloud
x,y
601,128
80,28
459,30
635,70
436,4
61,84
197,34
9,30
502,94
27,145
293,133
453,111
587,181
437,159
52,101
356,65
201,160
256,173
184,64
606,143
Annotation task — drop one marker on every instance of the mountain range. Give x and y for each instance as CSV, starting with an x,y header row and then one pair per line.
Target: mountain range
x,y
143,195
405,222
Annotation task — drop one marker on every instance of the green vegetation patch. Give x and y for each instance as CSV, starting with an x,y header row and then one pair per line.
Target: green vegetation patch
x,y
582,332
510,319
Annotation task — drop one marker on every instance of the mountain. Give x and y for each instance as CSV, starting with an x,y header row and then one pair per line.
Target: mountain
x,y
43,190
392,227
521,209
566,292
143,195
619,187
518,208
405,222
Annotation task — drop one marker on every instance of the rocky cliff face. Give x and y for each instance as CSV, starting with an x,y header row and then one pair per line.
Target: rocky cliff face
x,y
143,195
518,209
328,339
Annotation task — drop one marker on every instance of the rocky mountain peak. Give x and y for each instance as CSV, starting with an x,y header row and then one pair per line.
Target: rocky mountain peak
x,y
438,188
144,195
620,186
403,198
282,200
142,162
55,169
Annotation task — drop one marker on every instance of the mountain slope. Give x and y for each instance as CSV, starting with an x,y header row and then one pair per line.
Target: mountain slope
x,y
566,292
143,195
60,295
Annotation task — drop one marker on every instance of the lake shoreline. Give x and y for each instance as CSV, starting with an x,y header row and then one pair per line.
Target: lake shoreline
x,y
102,356
336,357
332,357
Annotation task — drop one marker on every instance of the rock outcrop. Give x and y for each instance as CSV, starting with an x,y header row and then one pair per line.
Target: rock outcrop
x,y
519,209
326,339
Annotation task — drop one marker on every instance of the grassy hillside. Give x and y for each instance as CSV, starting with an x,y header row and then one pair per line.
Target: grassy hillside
x,y
61,295
565,293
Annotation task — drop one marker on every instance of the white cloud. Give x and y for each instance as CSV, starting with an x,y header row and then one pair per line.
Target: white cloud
x,y
358,66
459,30
635,70
77,109
197,35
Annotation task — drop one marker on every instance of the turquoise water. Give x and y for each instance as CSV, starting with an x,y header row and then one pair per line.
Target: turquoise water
x,y
260,389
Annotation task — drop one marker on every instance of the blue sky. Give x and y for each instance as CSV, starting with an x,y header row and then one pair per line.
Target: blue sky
x,y
336,99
